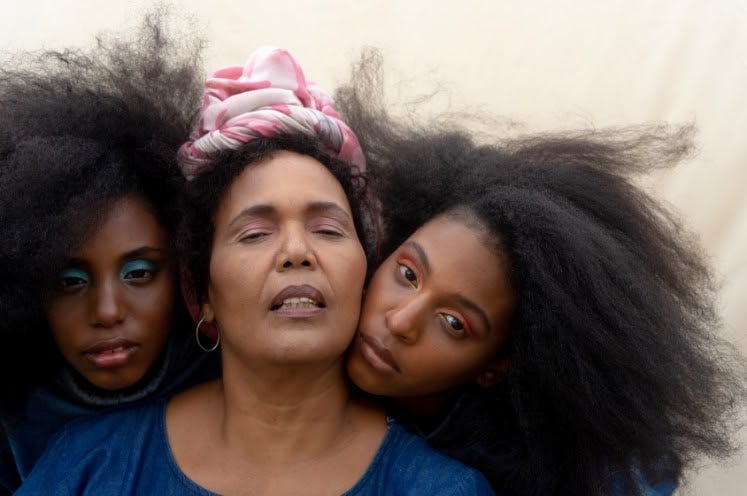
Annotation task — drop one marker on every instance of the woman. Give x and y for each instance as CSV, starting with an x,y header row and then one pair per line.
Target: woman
x,y
272,238
92,317
539,316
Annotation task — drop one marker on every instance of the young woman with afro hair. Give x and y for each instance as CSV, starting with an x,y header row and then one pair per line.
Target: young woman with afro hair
x,y
92,313
539,316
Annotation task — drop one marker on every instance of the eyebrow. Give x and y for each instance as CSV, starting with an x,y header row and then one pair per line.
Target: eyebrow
x,y
137,252
421,254
317,207
465,302
329,207
143,250
473,306
251,212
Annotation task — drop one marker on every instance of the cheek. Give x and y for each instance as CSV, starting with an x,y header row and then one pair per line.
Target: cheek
x,y
233,275
381,294
153,307
445,365
66,319
351,273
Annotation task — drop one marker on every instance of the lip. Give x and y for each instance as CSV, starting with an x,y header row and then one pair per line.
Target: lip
x,y
378,356
111,353
300,291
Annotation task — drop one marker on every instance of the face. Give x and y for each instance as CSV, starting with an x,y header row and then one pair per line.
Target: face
x,y
287,268
435,315
110,311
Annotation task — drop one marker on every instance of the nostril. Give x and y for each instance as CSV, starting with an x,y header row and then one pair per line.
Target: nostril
x,y
287,264
306,263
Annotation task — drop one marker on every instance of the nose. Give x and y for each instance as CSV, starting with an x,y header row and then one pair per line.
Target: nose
x,y
296,250
106,304
405,320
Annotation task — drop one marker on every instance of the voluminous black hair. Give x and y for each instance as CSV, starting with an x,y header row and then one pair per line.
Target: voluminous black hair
x,y
79,130
202,197
617,368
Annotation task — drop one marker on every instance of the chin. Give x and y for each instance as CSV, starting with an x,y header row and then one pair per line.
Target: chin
x,y
115,382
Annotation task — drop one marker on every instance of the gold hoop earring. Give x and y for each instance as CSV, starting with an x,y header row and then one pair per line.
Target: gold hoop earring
x,y
199,343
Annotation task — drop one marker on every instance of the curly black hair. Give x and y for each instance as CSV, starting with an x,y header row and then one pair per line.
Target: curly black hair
x,y
80,129
202,197
617,368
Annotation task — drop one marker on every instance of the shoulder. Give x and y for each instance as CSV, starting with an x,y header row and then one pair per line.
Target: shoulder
x,y
406,464
114,424
94,448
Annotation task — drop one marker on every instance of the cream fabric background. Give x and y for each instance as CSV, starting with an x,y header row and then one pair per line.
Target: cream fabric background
x,y
538,64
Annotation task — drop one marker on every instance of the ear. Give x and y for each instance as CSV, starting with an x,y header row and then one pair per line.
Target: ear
x,y
493,372
206,310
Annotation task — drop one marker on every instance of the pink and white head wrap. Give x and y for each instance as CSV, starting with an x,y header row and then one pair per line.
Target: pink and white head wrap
x,y
267,96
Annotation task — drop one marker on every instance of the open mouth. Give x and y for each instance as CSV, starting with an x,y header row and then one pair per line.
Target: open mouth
x,y
298,297
297,302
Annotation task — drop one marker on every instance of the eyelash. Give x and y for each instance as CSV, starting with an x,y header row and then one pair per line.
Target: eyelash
x,y
72,279
253,236
404,270
327,227
139,271
462,333
148,268
324,230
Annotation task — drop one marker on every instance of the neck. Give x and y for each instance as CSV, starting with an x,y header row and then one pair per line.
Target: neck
x,y
424,412
288,410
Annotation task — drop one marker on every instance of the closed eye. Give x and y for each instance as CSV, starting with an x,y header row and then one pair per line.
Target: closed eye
x,y
326,227
328,232
253,236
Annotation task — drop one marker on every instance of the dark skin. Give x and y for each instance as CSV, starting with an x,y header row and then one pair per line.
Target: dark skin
x,y
283,404
435,317
110,311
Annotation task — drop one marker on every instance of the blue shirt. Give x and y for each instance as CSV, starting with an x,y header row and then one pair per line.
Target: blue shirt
x,y
24,435
127,452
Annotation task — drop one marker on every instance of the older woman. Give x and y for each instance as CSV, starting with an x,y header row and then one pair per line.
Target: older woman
x,y
275,208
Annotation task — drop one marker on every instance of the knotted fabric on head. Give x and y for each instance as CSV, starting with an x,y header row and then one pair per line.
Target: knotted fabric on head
x,y
264,98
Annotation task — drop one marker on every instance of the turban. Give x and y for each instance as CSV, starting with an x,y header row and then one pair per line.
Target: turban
x,y
266,97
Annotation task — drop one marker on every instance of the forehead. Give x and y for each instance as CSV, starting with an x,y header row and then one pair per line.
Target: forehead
x,y
129,223
464,260
458,243
285,176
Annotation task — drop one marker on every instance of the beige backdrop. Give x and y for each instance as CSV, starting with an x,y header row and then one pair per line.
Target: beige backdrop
x,y
539,64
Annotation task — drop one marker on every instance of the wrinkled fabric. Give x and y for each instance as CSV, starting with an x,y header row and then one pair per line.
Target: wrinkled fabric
x,y
50,407
127,452
267,96
502,459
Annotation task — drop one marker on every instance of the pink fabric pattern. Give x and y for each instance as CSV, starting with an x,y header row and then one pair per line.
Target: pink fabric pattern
x,y
267,96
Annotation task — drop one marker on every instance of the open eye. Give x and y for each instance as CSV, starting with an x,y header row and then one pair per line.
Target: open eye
x,y
408,274
138,271
455,326
71,279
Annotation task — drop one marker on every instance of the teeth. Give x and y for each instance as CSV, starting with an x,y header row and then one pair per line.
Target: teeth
x,y
119,348
302,302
